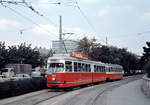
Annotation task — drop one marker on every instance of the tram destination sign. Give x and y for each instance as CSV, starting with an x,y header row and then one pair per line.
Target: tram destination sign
x,y
78,55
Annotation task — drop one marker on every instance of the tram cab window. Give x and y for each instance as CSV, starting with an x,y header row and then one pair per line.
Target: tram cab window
x,y
56,67
75,67
68,66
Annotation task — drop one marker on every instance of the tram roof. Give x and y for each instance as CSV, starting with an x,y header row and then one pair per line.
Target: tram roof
x,y
68,57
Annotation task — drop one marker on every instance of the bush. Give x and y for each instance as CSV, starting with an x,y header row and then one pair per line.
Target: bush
x,y
21,86
147,68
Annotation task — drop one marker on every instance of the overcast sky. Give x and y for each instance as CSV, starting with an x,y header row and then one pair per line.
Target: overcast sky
x,y
121,21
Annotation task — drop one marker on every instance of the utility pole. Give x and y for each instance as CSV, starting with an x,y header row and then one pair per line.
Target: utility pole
x,y
60,28
61,41
60,34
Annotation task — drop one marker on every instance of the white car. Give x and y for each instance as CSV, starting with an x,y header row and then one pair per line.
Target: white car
x,y
36,73
21,76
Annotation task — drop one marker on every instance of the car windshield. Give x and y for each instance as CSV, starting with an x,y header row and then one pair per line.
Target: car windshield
x,y
56,67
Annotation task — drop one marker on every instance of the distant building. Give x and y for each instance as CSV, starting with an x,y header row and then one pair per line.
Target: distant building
x,y
64,46
43,51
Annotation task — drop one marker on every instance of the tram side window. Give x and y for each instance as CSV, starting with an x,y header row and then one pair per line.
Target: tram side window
x,y
79,67
83,67
101,68
104,68
94,68
68,66
109,69
89,68
75,67
86,66
98,68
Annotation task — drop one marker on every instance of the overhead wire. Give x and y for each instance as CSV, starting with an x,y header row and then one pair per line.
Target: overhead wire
x,y
71,3
16,12
141,33
86,18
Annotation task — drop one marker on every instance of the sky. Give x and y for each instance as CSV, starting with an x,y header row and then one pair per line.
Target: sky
x,y
125,23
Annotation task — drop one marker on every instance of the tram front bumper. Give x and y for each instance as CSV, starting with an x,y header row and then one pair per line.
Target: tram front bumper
x,y
56,82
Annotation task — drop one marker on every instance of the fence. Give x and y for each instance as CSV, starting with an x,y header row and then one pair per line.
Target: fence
x,y
146,86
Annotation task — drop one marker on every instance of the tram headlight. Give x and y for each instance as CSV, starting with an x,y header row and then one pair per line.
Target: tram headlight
x,y
53,79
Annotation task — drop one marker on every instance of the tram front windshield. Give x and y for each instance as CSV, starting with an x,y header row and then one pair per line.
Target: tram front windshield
x,y
56,67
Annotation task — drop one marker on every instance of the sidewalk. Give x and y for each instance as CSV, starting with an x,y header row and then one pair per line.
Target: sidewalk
x,y
129,94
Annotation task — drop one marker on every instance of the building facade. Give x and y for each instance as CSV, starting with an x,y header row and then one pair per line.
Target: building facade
x,y
64,46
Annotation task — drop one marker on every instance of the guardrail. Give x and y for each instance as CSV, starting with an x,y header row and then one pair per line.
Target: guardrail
x,y
146,86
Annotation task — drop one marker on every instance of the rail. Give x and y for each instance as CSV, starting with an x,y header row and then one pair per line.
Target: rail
x,y
146,86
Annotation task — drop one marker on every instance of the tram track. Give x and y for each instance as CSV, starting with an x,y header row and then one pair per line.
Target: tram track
x,y
90,96
110,88
48,98
33,99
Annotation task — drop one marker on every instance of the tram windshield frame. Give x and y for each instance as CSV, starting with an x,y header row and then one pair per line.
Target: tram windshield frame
x,y
56,67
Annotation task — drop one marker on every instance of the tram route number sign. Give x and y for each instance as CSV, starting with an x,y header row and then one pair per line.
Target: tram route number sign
x,y
78,55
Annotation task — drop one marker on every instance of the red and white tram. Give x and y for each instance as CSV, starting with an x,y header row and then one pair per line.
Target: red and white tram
x,y
66,70
114,72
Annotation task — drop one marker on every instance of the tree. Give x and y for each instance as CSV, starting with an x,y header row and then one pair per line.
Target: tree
x,y
108,54
147,68
145,59
3,55
146,54
114,55
25,54
89,47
